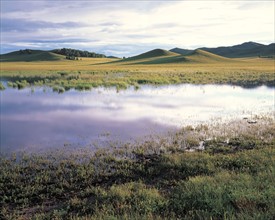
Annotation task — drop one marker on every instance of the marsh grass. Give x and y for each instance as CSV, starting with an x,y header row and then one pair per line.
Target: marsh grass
x,y
58,89
95,72
2,87
154,179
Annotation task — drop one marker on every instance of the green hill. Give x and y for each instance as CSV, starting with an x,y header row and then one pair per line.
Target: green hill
x,y
164,60
201,56
30,55
152,54
181,51
159,56
247,49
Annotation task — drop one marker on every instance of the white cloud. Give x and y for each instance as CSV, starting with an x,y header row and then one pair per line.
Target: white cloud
x,y
175,23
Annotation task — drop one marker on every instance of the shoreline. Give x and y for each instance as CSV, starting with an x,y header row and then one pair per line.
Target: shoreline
x,y
157,179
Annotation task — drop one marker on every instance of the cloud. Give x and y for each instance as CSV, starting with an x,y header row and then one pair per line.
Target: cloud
x,y
248,5
133,26
27,25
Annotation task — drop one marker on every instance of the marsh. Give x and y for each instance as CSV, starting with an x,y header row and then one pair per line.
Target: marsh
x,y
37,118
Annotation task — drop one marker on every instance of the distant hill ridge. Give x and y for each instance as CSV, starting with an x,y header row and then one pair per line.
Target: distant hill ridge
x,y
247,49
159,56
156,56
151,54
181,51
201,56
28,55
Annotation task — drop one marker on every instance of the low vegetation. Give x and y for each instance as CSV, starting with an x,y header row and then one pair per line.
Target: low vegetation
x,y
163,178
154,67
224,171
76,53
93,72
2,87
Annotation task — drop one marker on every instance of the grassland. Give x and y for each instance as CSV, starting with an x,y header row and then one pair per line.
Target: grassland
x,y
157,67
233,178
35,55
164,178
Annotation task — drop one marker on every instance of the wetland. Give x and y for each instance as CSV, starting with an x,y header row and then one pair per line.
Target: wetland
x,y
101,139
37,118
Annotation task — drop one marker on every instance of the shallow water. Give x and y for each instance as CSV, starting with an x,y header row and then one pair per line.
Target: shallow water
x,y
44,119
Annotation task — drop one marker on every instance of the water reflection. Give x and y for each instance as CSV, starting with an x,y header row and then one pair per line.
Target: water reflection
x,y
46,119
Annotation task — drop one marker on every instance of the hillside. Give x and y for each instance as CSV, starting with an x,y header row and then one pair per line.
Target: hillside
x,y
160,56
152,54
201,56
30,55
156,56
248,49
181,51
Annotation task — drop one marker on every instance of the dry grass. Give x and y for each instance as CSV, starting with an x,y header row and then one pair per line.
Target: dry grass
x,y
256,64
92,72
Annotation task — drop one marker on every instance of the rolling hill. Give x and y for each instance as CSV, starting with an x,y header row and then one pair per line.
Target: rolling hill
x,y
201,56
247,49
156,56
30,55
181,51
152,54
160,56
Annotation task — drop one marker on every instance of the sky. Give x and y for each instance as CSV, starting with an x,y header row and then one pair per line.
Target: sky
x,y
127,28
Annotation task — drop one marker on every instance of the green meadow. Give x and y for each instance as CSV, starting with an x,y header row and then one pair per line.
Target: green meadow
x,y
167,177
232,178
156,67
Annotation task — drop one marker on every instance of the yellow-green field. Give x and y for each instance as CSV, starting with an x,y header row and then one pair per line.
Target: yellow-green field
x,y
198,68
158,179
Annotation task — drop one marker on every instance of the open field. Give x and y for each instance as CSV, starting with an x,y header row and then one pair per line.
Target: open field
x,y
167,69
158,179
137,110
218,171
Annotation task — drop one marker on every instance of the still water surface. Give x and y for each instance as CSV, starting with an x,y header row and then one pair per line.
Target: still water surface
x,y
43,119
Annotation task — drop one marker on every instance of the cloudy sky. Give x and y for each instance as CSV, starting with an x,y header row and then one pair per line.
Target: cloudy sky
x,y
126,28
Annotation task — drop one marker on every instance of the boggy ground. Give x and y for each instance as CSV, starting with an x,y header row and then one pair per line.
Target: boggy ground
x,y
164,178
92,72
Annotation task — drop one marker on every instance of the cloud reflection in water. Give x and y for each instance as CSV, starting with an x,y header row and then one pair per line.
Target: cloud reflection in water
x,y
48,119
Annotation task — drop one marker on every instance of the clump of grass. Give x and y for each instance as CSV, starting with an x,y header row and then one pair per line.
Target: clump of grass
x,y
63,73
225,193
83,87
11,84
58,89
22,84
2,87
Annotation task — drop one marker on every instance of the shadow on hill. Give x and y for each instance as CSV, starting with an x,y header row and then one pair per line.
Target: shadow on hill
x,y
156,60
201,56
30,56
163,60
159,56
110,62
